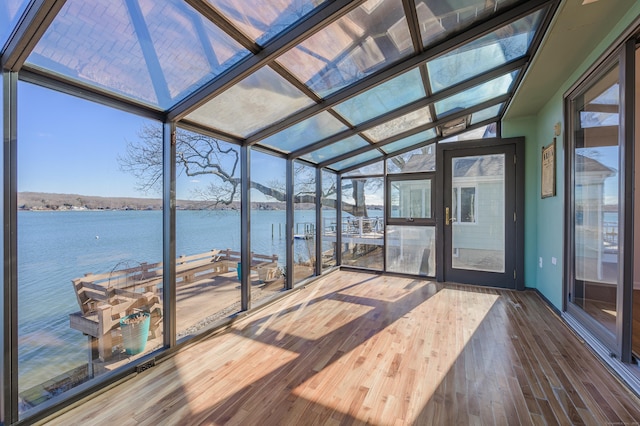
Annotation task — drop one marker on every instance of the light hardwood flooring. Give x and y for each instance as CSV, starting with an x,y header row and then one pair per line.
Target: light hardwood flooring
x,y
356,348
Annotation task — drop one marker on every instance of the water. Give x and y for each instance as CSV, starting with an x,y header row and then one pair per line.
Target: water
x,y
55,247
610,217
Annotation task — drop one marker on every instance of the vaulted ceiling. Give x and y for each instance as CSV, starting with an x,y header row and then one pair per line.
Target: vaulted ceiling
x,y
334,83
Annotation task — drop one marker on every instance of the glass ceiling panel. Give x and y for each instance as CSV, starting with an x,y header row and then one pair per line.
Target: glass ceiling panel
x,y
155,52
191,50
409,141
10,13
485,114
262,21
358,44
336,149
422,159
476,95
440,18
357,159
256,102
398,125
388,96
497,48
305,133
376,168
488,131
111,58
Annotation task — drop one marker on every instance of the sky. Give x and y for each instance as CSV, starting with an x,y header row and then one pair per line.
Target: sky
x,y
69,145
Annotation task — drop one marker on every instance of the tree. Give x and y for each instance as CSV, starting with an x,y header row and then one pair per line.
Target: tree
x,y
198,155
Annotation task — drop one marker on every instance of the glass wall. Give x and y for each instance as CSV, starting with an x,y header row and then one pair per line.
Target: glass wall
x,y
363,220
329,219
89,242
268,225
411,217
595,192
411,250
207,231
304,221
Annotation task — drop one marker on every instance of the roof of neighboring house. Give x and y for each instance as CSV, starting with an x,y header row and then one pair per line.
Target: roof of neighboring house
x,y
586,164
483,166
420,162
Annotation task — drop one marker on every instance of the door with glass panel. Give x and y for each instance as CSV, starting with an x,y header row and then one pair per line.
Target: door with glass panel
x,y
479,216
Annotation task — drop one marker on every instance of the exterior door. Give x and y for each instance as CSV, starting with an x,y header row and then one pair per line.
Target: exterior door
x,y
479,198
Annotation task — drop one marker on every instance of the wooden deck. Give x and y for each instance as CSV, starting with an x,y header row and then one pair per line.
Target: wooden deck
x,y
356,348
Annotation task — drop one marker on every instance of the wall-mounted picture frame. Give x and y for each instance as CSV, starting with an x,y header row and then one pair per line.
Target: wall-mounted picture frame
x,y
548,187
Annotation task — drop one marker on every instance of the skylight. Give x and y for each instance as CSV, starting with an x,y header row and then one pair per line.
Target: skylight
x,y
310,79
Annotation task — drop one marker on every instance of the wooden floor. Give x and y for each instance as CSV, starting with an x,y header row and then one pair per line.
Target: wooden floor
x,y
356,348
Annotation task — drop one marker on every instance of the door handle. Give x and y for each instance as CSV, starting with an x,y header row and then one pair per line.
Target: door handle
x,y
446,216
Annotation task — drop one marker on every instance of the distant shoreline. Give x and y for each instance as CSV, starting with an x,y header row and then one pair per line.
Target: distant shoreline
x,y
43,201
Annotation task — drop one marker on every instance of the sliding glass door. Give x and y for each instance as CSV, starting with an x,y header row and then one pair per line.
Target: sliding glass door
x,y
595,157
603,197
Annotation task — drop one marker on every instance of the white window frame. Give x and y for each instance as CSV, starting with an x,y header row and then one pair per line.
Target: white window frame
x,y
457,213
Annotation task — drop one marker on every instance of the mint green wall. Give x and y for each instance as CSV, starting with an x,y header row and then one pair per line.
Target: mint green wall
x,y
527,127
544,217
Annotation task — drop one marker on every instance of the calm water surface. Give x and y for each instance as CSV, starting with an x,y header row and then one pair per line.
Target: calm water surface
x,y
55,247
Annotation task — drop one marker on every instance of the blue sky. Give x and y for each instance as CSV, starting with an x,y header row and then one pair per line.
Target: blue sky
x,y
69,145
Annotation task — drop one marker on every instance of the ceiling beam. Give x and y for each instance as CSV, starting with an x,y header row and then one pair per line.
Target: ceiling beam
x,y
439,139
151,59
30,29
420,103
82,90
442,121
359,165
323,16
384,75
196,128
204,9
413,23
192,127
404,150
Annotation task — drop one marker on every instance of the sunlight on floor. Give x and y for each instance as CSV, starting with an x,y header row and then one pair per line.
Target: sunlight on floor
x,y
225,381
377,377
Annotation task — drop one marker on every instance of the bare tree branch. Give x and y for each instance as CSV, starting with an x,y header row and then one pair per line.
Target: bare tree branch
x,y
199,155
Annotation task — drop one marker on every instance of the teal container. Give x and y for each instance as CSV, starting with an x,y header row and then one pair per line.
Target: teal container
x,y
239,271
135,335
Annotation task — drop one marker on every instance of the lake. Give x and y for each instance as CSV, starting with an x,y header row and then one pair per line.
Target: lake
x,y
56,246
